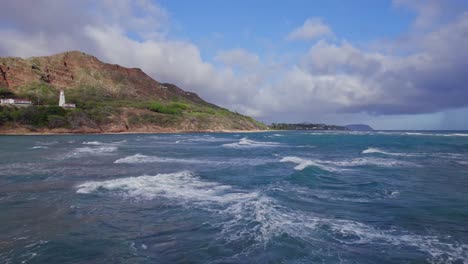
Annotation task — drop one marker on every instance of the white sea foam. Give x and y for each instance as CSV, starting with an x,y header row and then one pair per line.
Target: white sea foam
x,y
205,138
341,164
427,134
275,135
247,143
39,147
372,150
91,151
459,135
99,143
379,151
92,143
304,163
182,186
254,216
463,162
370,162
139,158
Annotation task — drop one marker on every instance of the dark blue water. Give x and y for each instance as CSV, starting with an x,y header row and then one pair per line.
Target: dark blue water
x,y
277,197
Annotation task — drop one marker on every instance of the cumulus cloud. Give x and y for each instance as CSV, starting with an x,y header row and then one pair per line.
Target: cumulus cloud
x,y
238,58
311,29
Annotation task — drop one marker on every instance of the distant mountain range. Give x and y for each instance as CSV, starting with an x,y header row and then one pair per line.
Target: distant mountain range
x,y
109,98
305,126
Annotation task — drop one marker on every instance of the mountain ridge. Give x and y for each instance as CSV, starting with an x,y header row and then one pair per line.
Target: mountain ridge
x,y
127,99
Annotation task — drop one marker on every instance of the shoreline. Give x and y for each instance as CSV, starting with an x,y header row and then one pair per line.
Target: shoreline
x,y
133,132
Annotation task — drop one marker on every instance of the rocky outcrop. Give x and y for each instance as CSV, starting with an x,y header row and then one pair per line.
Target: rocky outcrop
x,y
72,69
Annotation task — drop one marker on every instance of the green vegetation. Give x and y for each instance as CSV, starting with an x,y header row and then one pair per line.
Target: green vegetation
x,y
39,116
171,109
5,93
39,93
97,107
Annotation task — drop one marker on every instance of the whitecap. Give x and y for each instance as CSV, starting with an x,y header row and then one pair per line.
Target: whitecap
x,y
99,143
370,161
91,151
205,138
427,134
338,165
379,151
304,163
39,147
254,216
372,150
92,143
181,186
139,158
247,143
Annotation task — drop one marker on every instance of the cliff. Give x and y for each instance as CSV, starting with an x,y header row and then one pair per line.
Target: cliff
x,y
109,98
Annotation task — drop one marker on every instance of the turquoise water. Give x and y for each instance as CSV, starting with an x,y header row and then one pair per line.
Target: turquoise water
x,y
277,197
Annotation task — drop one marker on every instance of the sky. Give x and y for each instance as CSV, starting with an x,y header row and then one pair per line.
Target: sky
x,y
400,64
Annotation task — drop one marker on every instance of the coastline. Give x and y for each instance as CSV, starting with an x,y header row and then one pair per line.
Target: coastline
x,y
57,133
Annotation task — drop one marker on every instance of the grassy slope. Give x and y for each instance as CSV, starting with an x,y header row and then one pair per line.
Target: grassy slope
x,y
99,111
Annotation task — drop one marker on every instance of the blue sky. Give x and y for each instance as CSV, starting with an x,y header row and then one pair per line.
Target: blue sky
x,y
262,25
396,64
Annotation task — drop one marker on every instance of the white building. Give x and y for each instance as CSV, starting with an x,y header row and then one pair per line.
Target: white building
x,y
15,101
62,102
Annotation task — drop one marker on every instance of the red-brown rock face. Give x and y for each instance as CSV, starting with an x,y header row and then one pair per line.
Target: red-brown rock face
x,y
73,69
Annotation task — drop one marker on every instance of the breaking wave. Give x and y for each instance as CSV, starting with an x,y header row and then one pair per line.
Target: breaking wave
x,y
423,134
203,139
438,155
333,166
253,216
99,143
91,151
39,147
247,143
181,186
379,151
304,163
139,158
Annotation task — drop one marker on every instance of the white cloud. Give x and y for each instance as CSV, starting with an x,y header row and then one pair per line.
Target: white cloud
x,y
238,58
311,29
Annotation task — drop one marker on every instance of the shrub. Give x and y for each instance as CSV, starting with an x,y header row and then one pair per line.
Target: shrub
x,y
164,109
55,121
5,93
40,93
33,115
55,110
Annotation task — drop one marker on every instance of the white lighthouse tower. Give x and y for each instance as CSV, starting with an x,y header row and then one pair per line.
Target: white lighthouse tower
x,y
62,99
62,102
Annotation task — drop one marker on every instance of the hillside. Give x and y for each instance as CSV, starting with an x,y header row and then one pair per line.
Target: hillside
x,y
359,127
109,98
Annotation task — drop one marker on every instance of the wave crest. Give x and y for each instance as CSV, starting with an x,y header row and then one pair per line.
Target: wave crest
x,y
139,158
247,143
333,166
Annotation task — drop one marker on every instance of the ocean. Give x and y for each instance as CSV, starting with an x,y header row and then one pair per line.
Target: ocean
x,y
272,197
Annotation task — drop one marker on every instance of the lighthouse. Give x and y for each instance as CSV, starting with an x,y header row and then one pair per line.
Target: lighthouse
x,y
62,102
